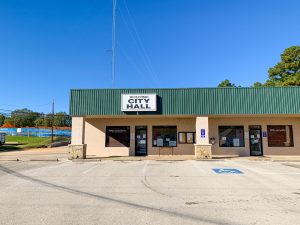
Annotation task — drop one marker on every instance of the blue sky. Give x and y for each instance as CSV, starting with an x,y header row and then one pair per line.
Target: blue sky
x,y
51,46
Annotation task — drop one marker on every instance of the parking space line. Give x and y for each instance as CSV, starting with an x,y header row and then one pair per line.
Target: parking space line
x,y
262,172
198,167
90,169
145,167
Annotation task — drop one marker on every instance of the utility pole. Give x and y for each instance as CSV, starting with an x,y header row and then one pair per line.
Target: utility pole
x,y
113,44
52,121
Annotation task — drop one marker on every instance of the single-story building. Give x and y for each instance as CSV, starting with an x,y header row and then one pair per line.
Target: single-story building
x,y
186,121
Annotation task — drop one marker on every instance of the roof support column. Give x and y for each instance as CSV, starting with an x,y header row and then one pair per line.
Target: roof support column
x,y
202,146
77,148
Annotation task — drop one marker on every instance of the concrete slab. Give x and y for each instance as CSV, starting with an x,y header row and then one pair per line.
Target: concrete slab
x,y
41,154
287,158
148,192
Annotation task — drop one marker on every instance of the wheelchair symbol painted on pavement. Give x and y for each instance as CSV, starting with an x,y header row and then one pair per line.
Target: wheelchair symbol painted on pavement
x,y
227,171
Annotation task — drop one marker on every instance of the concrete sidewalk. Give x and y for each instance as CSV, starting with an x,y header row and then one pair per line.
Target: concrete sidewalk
x,y
287,158
155,157
61,153
42,154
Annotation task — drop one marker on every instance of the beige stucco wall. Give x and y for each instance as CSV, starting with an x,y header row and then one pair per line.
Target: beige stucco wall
x,y
95,135
77,137
92,130
263,121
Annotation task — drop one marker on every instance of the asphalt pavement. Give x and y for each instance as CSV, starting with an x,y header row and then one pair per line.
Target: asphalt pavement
x,y
149,192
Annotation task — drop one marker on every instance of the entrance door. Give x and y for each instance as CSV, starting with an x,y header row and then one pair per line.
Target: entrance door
x,y
255,141
141,140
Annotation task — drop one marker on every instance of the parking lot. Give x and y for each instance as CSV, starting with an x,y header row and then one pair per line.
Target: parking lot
x,y
149,192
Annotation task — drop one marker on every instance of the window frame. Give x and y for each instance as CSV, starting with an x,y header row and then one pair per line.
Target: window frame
x,y
164,126
281,146
107,137
232,126
186,140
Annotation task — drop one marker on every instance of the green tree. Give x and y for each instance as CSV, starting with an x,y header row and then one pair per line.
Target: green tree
x,y
39,122
44,121
2,118
287,71
62,119
48,120
226,83
257,84
24,117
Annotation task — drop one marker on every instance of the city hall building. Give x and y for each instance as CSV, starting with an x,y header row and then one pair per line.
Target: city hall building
x,y
185,121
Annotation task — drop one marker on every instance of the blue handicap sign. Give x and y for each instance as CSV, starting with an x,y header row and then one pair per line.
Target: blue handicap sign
x,y
227,171
202,132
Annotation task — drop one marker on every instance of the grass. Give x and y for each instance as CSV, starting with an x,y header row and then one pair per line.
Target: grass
x,y
24,142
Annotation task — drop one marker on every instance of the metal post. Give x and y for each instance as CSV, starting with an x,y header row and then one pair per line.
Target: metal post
x,y
52,121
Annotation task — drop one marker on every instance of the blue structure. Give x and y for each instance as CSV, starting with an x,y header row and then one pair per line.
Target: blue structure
x,y
37,132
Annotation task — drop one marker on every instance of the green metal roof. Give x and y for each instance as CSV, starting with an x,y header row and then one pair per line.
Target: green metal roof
x,y
191,101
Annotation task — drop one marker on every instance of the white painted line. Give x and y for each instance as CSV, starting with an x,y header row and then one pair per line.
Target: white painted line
x,y
249,168
90,169
262,171
281,173
39,170
198,168
145,167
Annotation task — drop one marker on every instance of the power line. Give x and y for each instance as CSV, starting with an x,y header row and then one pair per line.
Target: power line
x,y
138,42
113,57
131,61
27,106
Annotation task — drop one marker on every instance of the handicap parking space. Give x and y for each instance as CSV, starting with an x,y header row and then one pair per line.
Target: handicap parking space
x,y
227,171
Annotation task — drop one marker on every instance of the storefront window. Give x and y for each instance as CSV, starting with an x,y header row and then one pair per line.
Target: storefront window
x,y
117,136
280,136
231,136
164,136
186,137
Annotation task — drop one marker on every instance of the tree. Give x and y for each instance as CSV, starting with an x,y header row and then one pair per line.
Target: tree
x,y
287,71
9,120
226,83
48,120
24,117
257,84
44,121
62,119
2,118
39,122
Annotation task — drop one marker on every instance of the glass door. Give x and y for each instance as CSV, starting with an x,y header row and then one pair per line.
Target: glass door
x,y
255,141
141,140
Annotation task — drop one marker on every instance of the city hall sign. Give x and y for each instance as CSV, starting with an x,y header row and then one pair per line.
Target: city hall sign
x,y
138,102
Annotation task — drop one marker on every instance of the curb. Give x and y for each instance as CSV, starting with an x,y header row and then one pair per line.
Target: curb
x,y
45,160
85,160
169,159
210,160
285,160
292,165
3,160
128,160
